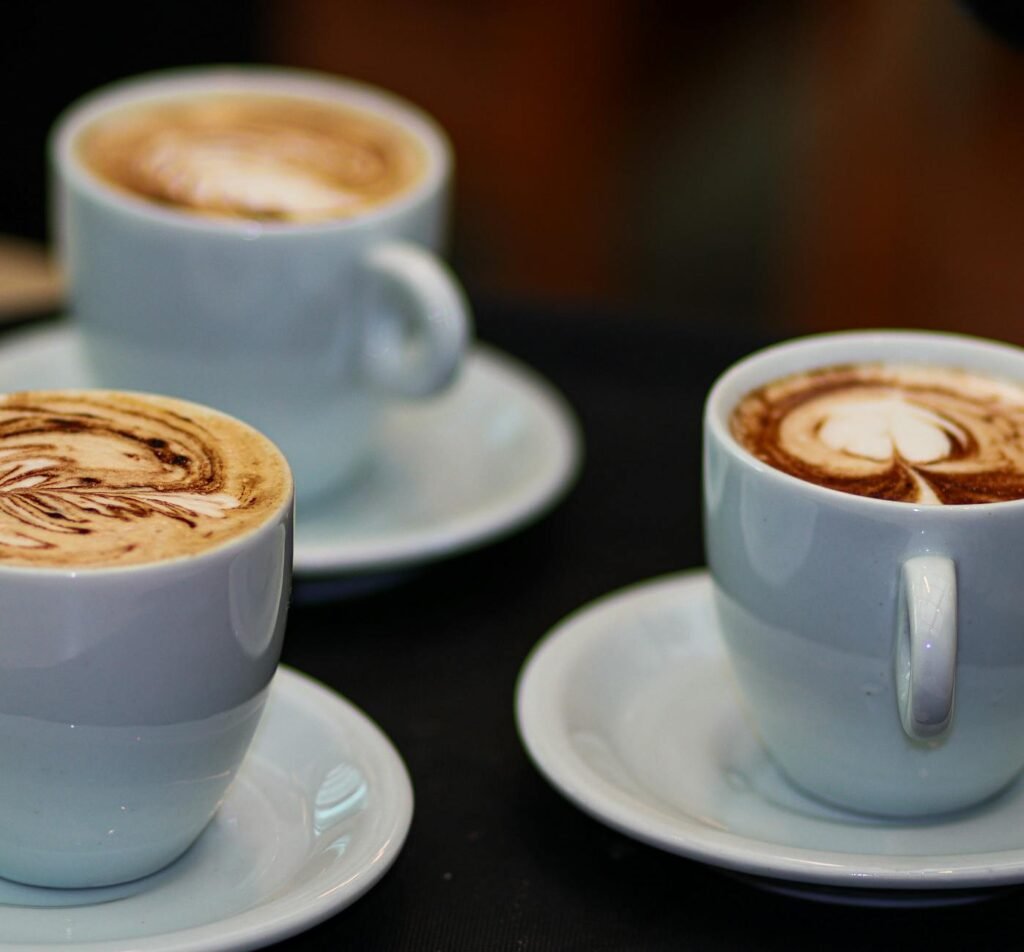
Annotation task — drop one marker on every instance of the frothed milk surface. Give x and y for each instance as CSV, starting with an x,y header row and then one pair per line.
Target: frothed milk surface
x,y
911,433
247,155
100,478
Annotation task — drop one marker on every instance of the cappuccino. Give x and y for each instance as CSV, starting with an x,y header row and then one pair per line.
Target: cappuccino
x,y
97,478
904,432
254,156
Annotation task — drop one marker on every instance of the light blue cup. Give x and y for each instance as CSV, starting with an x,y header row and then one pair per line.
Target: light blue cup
x,y
128,699
879,645
303,330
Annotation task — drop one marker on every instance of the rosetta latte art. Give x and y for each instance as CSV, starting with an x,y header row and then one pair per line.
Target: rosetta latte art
x,y
100,478
927,435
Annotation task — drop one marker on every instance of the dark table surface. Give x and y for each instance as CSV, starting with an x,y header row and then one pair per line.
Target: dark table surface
x,y
495,858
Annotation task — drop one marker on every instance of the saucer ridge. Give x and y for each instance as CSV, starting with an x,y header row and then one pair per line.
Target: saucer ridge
x,y
629,709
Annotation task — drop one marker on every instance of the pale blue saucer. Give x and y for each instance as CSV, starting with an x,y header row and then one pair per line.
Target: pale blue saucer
x,y
629,708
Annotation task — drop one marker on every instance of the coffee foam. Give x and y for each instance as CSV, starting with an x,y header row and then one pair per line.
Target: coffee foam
x,y
98,478
254,156
921,434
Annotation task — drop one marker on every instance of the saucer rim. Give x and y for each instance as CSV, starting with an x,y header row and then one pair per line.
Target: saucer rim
x,y
315,561
539,690
289,912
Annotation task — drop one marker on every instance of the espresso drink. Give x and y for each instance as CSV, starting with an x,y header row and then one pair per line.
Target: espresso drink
x,y
254,156
96,478
913,433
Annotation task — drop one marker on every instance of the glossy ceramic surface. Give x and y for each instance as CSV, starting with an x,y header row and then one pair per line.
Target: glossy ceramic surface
x,y
811,603
128,697
317,814
629,708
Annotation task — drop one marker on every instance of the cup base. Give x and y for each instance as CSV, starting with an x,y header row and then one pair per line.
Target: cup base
x,y
891,808
89,871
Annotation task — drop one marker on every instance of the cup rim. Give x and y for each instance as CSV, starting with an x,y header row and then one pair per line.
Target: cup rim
x,y
848,346
224,549
180,82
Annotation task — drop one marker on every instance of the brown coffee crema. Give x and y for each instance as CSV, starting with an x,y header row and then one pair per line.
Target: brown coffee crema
x,y
254,156
98,478
911,433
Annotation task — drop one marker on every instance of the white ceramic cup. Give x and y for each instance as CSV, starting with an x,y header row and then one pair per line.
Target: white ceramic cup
x,y
879,645
304,330
128,698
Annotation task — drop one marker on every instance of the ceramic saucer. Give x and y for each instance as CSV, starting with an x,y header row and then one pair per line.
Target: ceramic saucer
x,y
629,709
315,817
494,452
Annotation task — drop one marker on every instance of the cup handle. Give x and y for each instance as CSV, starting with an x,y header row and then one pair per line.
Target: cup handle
x,y
926,646
418,320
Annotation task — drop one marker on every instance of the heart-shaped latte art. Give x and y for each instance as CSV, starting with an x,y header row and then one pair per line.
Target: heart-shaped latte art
x,y
903,432
889,428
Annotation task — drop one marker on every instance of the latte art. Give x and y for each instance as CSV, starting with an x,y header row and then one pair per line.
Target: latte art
x,y
928,435
99,478
256,157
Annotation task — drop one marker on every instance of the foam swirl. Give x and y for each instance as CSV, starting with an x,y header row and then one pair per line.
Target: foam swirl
x,y
93,478
927,435
255,157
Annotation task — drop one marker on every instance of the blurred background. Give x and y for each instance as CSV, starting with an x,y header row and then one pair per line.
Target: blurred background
x,y
783,166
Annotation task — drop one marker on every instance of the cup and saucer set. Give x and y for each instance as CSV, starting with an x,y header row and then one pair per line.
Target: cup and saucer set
x,y
341,335
834,709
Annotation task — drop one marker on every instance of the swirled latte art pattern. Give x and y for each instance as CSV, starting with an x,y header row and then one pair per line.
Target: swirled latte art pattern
x,y
100,478
254,157
918,434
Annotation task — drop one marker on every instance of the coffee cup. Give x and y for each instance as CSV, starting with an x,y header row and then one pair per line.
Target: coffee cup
x,y
145,555
265,241
863,523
